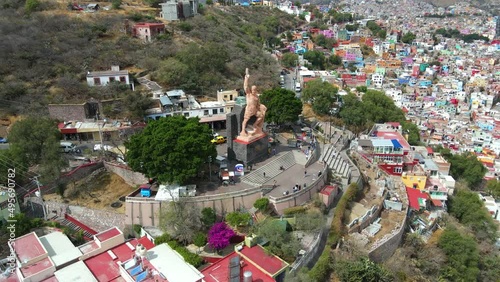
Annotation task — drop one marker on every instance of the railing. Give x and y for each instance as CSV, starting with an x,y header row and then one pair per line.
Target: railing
x,y
80,224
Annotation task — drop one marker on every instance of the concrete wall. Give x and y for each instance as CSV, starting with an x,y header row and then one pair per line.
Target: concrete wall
x,y
145,211
132,178
385,247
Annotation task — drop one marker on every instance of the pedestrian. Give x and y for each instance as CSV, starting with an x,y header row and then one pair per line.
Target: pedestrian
x,y
264,174
305,173
274,151
274,184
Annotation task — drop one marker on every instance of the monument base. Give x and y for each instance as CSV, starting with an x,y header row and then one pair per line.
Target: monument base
x,y
251,149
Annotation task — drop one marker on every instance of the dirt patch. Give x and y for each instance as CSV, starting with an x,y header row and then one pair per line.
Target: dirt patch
x,y
104,189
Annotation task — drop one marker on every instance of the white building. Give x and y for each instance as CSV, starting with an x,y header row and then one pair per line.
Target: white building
x,y
378,80
103,78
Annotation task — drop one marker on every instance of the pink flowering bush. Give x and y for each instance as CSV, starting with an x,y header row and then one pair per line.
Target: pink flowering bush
x,y
219,235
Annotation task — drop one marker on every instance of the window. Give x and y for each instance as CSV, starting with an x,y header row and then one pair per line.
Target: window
x,y
205,112
123,79
214,111
398,170
112,79
221,111
97,81
186,114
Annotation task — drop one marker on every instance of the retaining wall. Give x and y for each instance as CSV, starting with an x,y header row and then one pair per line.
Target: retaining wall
x,y
384,248
132,178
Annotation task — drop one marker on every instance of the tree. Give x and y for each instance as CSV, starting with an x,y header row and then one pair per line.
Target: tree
x,y
282,106
31,6
208,216
335,60
382,34
315,58
136,104
463,256
468,208
464,166
261,204
408,37
312,221
181,220
281,242
236,218
289,60
493,187
362,269
321,95
210,2
219,236
36,141
413,132
161,149
200,239
116,4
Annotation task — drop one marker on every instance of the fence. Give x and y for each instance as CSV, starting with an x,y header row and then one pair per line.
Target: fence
x,y
315,251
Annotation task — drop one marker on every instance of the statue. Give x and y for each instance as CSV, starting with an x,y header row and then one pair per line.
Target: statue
x,y
253,108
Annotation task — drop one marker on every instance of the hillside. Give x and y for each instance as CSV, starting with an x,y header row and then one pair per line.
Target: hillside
x,y
492,6
46,54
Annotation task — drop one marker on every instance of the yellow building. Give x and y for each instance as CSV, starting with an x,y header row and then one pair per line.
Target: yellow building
x,y
414,181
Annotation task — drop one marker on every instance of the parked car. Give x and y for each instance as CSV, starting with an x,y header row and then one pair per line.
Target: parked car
x,y
67,147
3,140
219,140
98,147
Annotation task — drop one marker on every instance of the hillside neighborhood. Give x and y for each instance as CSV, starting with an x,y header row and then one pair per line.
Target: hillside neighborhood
x,y
372,152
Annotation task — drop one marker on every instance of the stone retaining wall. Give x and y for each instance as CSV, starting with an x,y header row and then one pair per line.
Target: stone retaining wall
x,y
132,178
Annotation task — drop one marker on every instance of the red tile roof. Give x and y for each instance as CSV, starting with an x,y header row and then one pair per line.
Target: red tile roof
x,y
328,190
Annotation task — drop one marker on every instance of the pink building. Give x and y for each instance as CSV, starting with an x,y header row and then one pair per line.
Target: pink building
x,y
328,194
148,31
108,257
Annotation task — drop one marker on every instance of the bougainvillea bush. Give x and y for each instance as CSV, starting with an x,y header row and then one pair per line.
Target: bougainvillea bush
x,y
219,235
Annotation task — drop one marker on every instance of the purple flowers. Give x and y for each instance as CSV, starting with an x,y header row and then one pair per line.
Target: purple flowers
x,y
219,235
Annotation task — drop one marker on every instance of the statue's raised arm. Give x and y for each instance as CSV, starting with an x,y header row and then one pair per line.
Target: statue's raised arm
x,y
245,82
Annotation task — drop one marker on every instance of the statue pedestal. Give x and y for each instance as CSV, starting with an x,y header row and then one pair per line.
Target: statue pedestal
x,y
250,149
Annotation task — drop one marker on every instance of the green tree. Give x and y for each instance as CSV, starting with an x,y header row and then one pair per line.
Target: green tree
x,y
289,60
321,95
35,141
413,132
161,149
315,58
136,104
208,217
493,187
464,166
352,111
362,269
380,108
281,242
200,239
261,204
468,208
282,105
31,6
322,269
210,2
408,37
312,221
382,33
335,60
237,218
116,4
462,254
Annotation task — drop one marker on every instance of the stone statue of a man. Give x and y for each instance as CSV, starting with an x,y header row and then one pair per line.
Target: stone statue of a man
x,y
253,108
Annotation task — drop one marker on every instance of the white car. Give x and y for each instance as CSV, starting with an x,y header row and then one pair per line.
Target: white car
x,y
98,147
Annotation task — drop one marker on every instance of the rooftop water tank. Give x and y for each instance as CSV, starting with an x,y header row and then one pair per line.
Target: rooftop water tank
x,y
247,276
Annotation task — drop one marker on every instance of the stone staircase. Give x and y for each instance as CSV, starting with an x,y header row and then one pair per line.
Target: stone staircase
x,y
72,226
335,161
272,169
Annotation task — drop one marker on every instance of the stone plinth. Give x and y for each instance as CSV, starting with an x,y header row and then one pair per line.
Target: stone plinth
x,y
250,149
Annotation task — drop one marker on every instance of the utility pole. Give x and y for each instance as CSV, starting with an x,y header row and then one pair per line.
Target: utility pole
x,y
210,167
35,178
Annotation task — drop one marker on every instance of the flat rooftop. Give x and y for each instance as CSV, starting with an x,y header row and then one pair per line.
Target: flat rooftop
x,y
28,247
60,248
394,135
37,267
108,234
269,263
219,271
77,271
172,266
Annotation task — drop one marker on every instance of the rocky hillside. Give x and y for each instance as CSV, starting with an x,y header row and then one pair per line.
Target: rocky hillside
x,y
47,50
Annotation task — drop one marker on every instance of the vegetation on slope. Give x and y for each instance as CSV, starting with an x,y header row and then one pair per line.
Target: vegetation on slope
x,y
47,53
